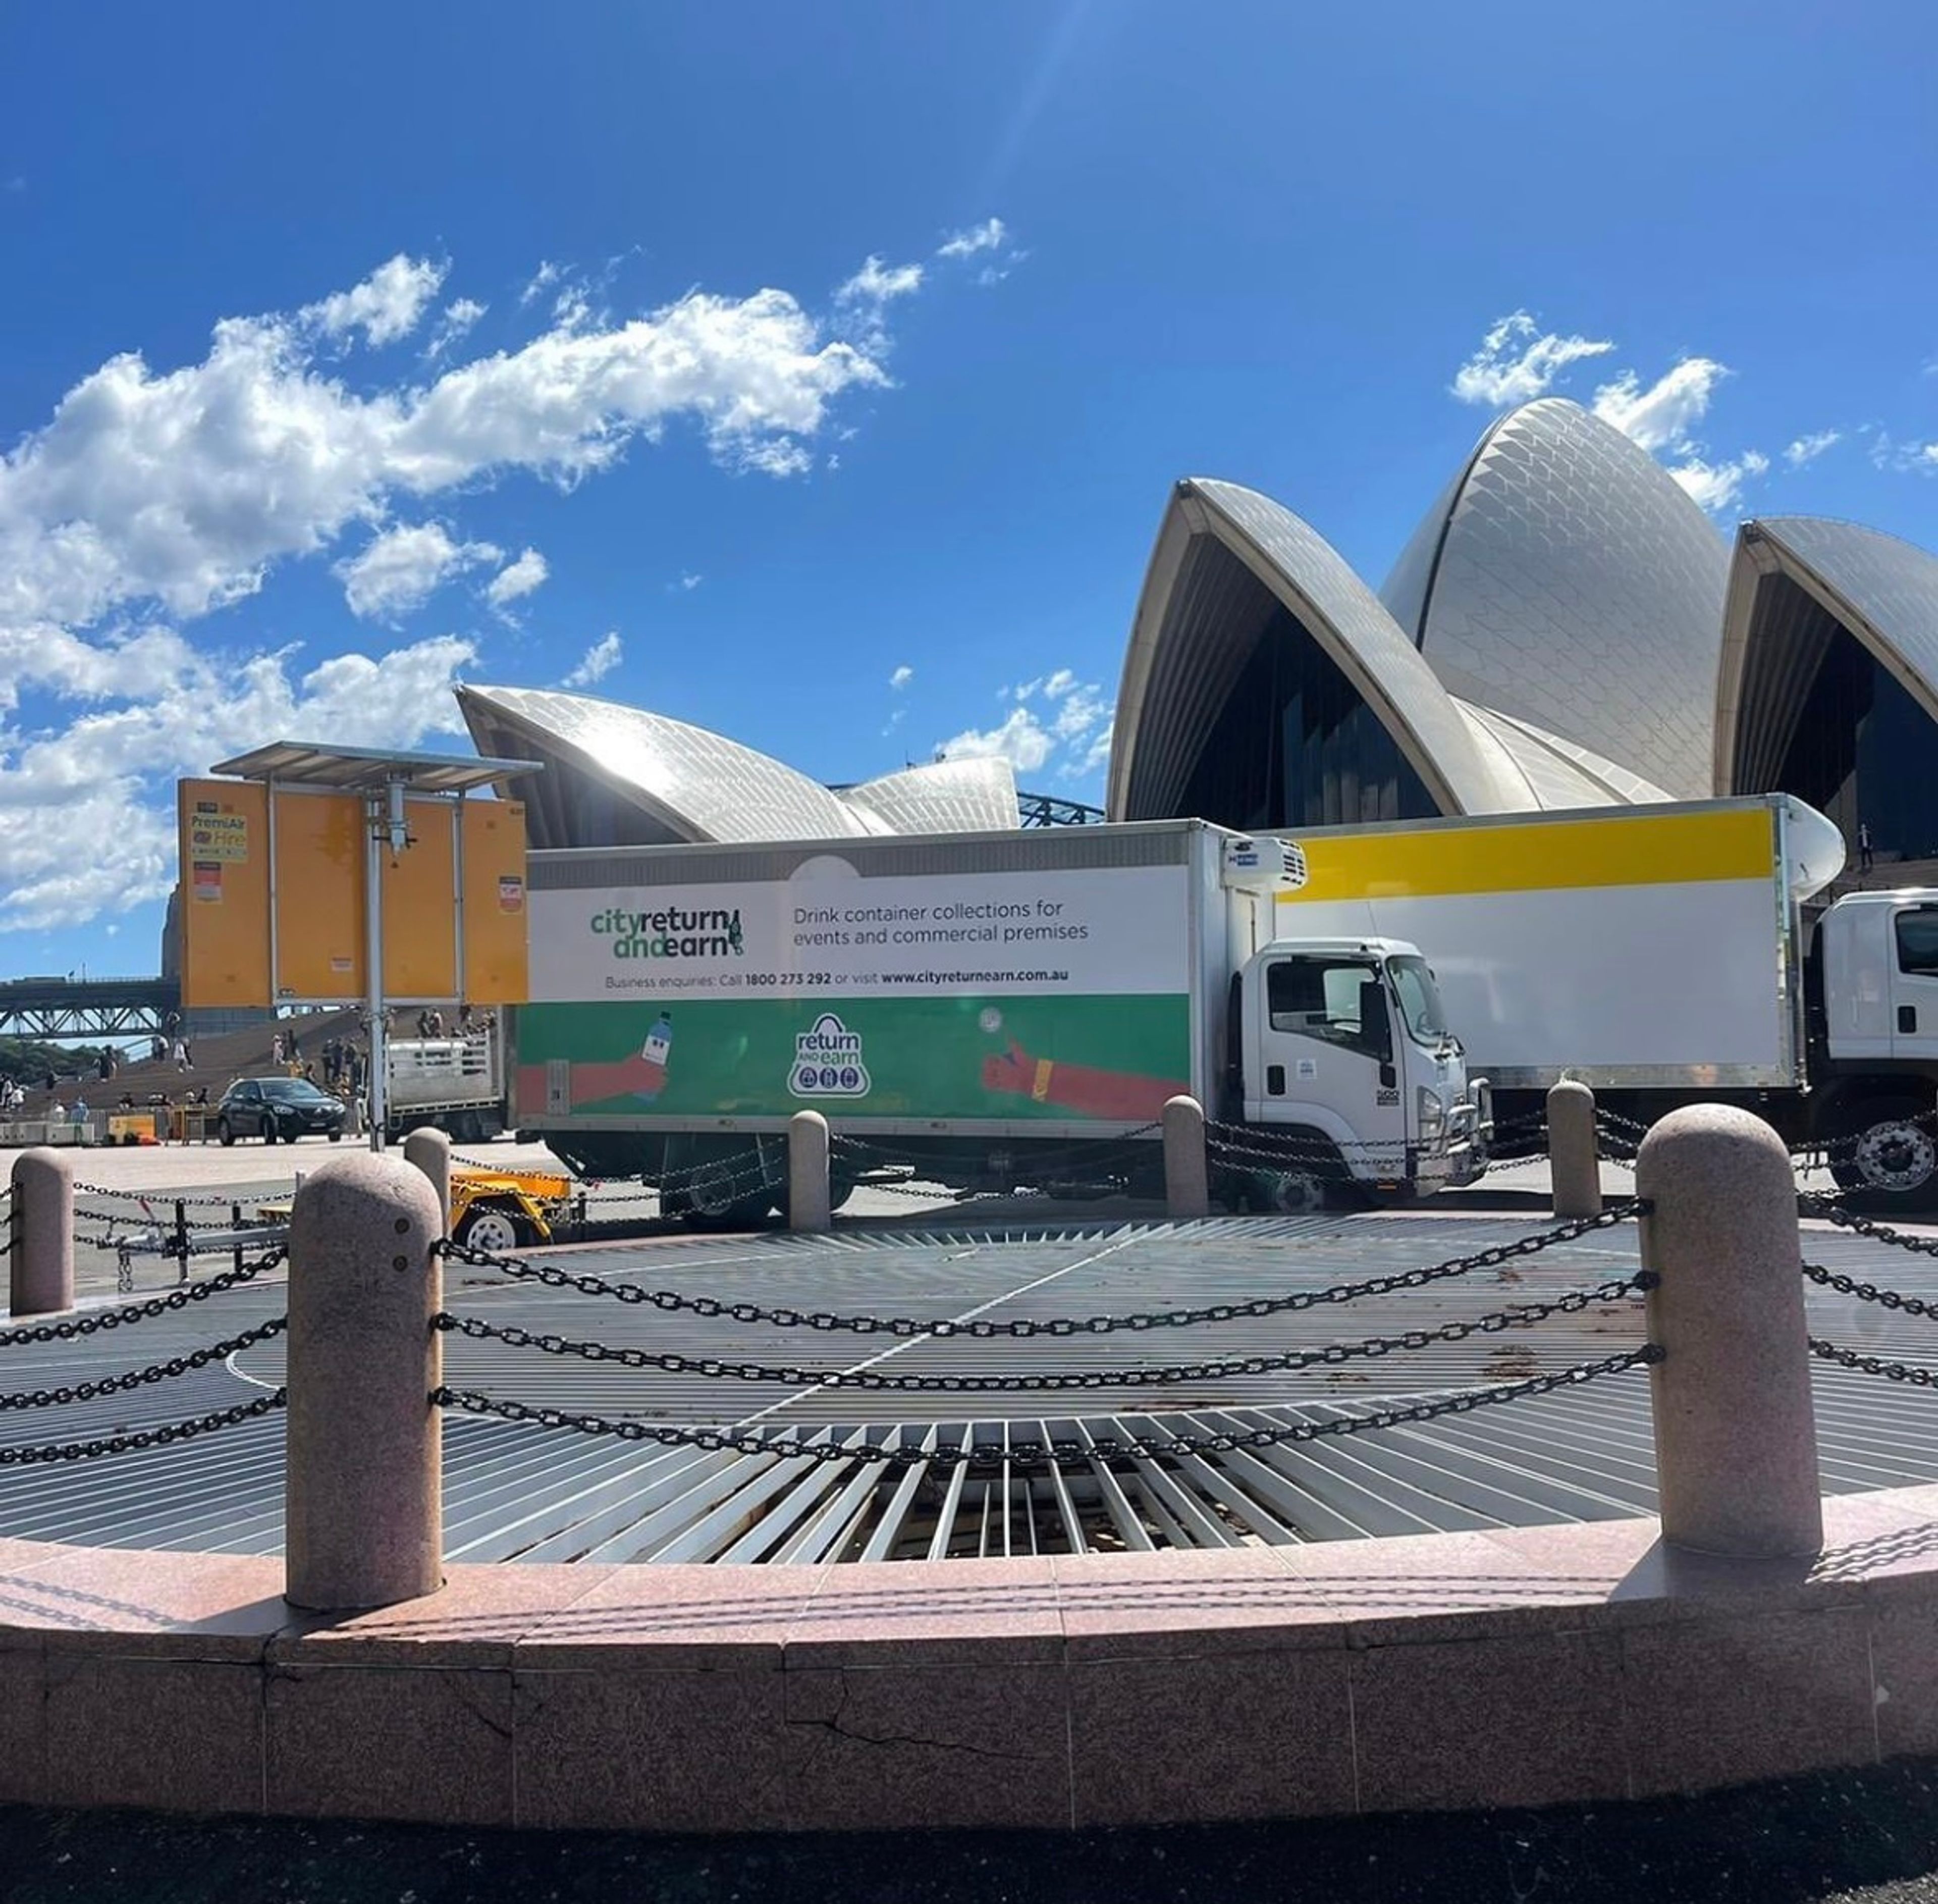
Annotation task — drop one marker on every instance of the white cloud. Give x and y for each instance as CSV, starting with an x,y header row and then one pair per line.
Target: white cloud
x,y
1662,416
154,495
865,298
186,486
1020,740
1806,449
689,581
386,306
517,578
457,317
400,570
542,281
1516,362
992,235
1718,486
599,661
1072,729
1921,458
88,811
877,281
901,677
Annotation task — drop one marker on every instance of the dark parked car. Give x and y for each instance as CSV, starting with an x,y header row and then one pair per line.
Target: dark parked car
x,y
277,1108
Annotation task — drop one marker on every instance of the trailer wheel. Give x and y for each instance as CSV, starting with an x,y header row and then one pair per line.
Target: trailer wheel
x,y
1892,1154
490,1226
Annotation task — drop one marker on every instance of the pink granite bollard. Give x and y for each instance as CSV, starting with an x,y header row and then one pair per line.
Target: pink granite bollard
x,y
429,1151
39,1255
1574,1159
1736,1434
365,1462
809,1206
1187,1182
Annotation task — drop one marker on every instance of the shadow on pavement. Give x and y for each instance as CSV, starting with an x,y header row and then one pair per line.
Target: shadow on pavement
x,y
1870,1835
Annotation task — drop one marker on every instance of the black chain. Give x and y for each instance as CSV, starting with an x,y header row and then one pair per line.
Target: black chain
x,y
1236,1134
1828,1352
151,1196
1814,1203
115,1318
139,1438
1869,1292
981,1329
1061,1450
1520,1316
111,1385
1038,1161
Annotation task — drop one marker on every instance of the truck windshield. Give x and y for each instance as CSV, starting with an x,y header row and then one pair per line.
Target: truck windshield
x,y
1419,1000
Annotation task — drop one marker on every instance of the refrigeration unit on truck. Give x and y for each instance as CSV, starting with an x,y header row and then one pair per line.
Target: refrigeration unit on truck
x,y
991,1011
456,1083
1665,955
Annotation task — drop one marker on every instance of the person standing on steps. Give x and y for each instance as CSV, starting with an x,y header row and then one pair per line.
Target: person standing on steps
x,y
1863,846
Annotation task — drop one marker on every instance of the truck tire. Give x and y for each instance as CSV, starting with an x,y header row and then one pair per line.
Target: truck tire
x,y
718,1185
1887,1154
1313,1178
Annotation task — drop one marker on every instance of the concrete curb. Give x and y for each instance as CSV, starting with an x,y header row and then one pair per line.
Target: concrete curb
x,y
1513,1668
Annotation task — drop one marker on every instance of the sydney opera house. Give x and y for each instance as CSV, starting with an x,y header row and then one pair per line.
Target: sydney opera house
x,y
1565,628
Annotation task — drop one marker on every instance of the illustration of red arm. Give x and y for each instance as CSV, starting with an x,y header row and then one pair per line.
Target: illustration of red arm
x,y
632,1076
1080,1089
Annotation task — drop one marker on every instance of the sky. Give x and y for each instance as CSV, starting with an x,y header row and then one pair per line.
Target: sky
x,y
820,374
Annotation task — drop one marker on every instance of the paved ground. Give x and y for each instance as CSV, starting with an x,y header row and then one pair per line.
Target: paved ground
x,y
251,1173
1868,1837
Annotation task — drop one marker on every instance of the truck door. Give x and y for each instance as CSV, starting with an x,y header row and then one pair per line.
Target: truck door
x,y
1326,1055
1914,982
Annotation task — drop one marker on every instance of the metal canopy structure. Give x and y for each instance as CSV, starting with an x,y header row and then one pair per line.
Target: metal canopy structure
x,y
385,780
353,770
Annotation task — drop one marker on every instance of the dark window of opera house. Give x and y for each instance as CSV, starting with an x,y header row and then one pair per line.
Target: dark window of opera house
x,y
1296,746
1865,751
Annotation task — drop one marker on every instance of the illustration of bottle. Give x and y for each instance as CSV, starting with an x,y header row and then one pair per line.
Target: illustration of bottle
x,y
658,1048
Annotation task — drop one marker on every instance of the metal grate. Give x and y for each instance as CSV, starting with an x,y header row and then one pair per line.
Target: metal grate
x,y
516,1492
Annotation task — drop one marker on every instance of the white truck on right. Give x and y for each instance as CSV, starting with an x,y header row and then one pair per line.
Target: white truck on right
x,y
1665,955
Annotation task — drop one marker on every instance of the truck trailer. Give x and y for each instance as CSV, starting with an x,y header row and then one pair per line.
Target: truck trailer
x,y
454,1083
1663,955
987,1010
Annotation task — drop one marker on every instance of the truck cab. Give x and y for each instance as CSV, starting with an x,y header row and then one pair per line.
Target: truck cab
x,y
1874,1012
1341,1054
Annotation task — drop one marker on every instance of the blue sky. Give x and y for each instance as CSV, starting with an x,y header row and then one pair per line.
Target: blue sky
x,y
749,359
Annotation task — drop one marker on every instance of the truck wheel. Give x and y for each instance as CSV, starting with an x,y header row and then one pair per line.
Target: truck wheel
x,y
1290,1193
1313,1177
489,1227
719,1183
717,1191
1892,1155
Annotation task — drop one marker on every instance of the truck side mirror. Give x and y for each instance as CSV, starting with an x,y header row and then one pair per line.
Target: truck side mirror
x,y
1376,1026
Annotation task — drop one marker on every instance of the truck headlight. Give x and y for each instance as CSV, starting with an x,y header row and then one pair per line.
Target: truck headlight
x,y
1432,1116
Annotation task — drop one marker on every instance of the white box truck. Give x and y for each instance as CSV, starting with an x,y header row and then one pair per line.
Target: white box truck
x,y
1665,955
993,1010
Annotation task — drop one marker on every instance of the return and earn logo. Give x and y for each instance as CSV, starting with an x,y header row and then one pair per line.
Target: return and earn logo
x,y
828,1061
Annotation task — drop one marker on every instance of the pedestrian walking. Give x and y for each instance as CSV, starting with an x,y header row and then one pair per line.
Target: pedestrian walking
x,y
1863,846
